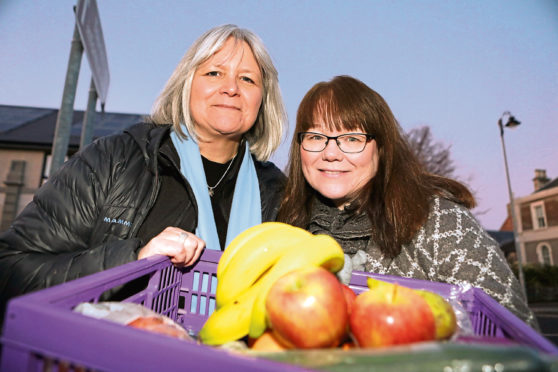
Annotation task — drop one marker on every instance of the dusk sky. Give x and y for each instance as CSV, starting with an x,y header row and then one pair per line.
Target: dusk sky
x,y
455,66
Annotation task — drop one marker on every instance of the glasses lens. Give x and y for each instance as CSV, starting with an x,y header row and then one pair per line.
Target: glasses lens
x,y
352,142
313,141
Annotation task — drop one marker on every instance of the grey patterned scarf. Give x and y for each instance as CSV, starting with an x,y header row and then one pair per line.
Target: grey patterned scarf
x,y
352,231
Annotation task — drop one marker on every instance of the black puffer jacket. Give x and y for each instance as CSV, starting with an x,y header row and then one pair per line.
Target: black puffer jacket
x,y
85,219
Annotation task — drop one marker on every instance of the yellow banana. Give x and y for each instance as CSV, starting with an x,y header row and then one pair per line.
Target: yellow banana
x,y
230,322
255,257
242,239
320,250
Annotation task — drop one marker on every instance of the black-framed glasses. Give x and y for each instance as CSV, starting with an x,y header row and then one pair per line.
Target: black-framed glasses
x,y
349,143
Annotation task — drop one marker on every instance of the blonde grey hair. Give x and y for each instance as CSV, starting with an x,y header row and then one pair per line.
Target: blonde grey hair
x,y
173,104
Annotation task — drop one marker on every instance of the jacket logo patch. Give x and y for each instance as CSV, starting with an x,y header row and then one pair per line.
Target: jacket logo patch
x,y
118,221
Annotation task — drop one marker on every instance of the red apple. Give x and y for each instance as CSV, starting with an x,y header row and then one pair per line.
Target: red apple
x,y
350,297
306,309
391,315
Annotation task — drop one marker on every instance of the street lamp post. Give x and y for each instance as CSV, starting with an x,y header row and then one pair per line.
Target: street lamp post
x,y
512,123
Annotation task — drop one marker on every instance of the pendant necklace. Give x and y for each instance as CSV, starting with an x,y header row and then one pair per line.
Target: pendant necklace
x,y
211,188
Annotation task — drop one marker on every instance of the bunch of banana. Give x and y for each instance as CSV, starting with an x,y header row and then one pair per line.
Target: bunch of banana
x,y
250,265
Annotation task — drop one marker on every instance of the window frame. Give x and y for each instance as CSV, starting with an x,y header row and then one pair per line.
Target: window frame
x,y
535,218
540,257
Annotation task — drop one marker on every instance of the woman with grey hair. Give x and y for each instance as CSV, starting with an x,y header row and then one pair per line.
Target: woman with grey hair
x,y
192,177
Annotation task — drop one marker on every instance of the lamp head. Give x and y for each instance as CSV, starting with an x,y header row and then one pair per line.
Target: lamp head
x,y
512,122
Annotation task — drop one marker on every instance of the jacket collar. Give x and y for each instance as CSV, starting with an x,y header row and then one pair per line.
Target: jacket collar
x,y
149,137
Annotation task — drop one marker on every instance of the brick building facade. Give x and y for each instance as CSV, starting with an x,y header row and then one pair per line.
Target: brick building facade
x,y
537,216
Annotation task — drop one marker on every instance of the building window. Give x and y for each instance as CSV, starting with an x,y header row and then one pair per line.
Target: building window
x,y
544,254
539,217
46,167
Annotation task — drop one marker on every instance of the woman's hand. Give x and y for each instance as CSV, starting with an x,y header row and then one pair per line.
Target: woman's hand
x,y
183,248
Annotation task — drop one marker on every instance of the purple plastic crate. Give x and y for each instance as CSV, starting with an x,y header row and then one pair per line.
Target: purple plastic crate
x,y
41,332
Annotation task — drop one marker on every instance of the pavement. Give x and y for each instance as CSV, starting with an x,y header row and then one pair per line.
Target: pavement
x,y
547,315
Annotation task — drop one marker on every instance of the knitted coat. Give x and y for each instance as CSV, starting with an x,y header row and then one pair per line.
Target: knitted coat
x,y
450,247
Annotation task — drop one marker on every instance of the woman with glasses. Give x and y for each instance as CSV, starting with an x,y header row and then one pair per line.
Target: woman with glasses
x,y
352,175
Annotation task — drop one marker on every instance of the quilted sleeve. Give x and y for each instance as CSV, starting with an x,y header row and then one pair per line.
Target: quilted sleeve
x,y
48,243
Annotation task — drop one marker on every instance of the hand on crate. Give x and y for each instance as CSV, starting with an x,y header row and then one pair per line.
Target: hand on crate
x,y
183,248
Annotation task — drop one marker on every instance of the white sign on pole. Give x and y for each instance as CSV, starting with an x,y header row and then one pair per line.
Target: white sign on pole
x,y
91,34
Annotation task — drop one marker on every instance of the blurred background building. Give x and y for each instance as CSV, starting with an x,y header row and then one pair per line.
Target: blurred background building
x,y
537,216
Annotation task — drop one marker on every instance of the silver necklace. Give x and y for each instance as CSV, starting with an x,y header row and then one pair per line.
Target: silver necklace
x,y
211,188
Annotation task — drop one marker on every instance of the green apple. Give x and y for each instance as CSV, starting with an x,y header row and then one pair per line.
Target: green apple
x,y
444,316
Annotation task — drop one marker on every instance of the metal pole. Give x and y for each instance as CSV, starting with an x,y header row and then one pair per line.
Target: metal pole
x,y
513,215
66,112
89,118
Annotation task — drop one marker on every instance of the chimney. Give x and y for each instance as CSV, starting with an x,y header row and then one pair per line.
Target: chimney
x,y
540,178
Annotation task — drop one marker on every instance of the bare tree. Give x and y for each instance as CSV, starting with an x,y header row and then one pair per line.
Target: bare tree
x,y
435,156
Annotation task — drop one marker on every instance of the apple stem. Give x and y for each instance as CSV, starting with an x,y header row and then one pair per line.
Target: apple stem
x,y
394,292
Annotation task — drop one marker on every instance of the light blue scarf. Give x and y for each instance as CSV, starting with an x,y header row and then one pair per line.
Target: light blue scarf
x,y
246,210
